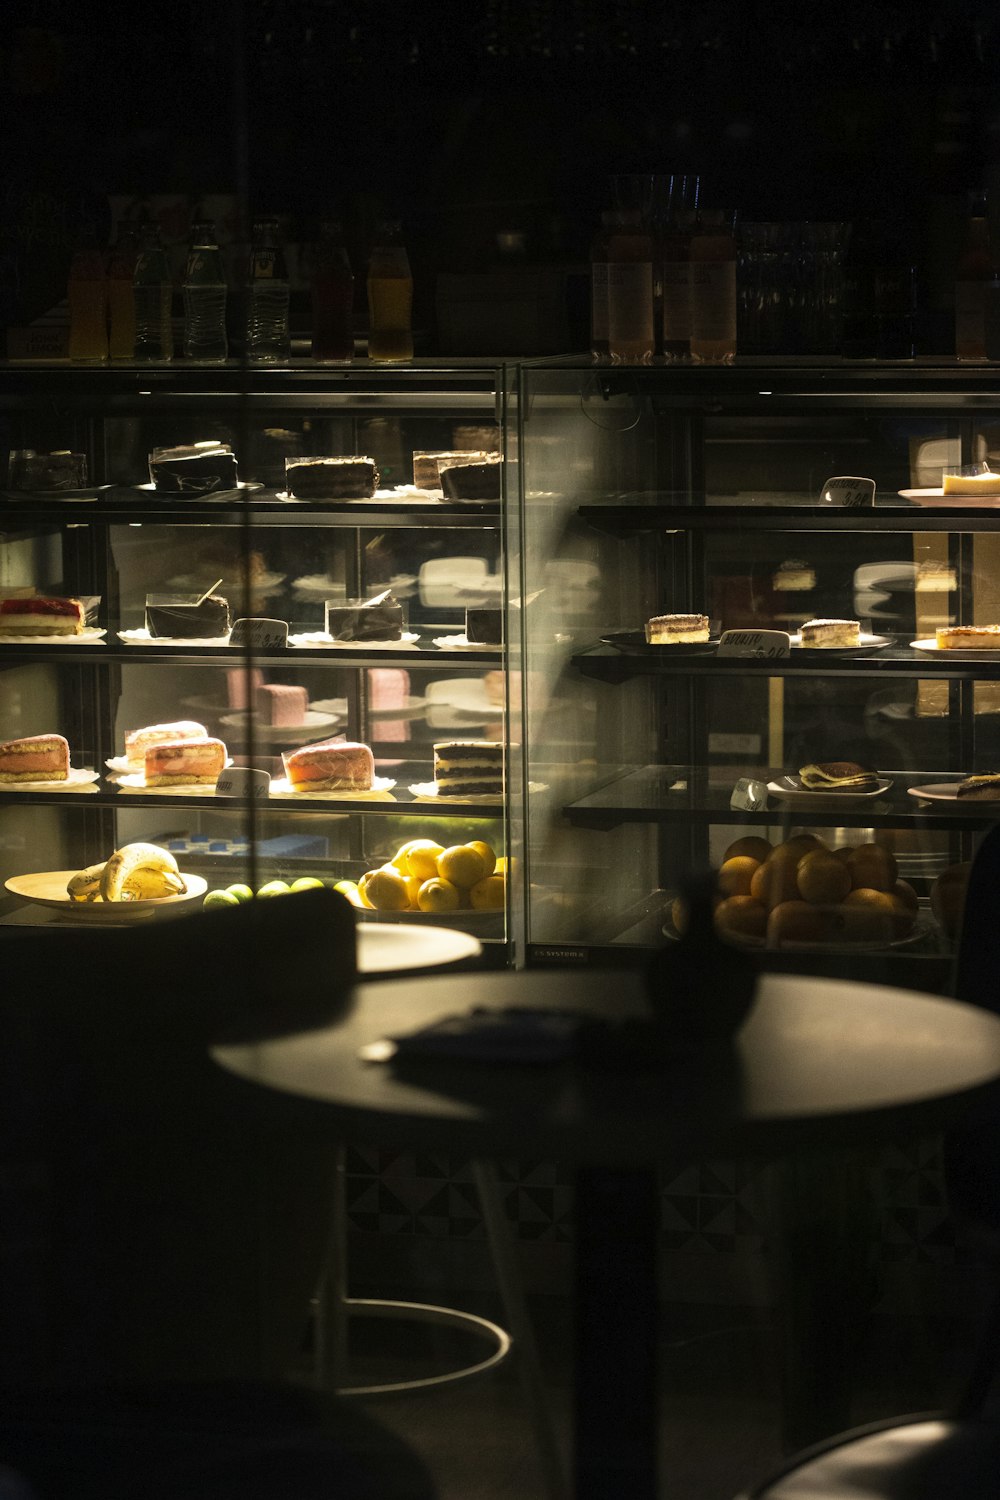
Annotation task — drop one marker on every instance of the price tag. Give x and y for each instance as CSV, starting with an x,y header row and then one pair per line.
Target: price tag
x,y
749,795
849,491
262,635
241,781
769,643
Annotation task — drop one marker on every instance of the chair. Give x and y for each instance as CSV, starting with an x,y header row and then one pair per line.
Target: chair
x,y
932,1456
164,1225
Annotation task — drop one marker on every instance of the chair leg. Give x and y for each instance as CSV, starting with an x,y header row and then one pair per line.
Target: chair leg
x,y
520,1328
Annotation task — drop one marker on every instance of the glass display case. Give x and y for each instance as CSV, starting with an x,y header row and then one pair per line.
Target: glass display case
x,y
829,786
383,626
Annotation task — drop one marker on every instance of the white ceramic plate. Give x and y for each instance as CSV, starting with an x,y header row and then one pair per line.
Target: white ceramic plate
x,y
956,653
868,643
48,888
427,791
135,781
76,781
318,639
790,789
464,695
384,947
88,636
143,638
243,487
947,792
380,789
89,492
959,502
282,733
405,492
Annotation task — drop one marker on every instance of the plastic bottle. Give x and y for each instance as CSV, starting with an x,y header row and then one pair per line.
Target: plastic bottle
x,y
973,275
390,297
121,298
630,292
713,289
87,293
153,293
599,352
267,335
675,275
332,298
205,298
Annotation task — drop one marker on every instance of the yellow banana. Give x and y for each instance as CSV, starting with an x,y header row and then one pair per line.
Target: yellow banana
x,y
141,872
85,885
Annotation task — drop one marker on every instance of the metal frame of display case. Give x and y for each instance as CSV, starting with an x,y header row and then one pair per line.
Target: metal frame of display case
x,y
88,398
655,502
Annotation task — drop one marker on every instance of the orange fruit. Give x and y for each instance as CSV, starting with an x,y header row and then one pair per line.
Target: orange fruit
x,y
741,916
735,875
872,868
751,845
822,878
774,881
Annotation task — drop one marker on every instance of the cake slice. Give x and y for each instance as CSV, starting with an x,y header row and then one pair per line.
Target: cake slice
x,y
824,634
330,766
838,776
38,615
976,637
39,757
985,483
185,762
468,768
676,630
984,786
281,704
138,741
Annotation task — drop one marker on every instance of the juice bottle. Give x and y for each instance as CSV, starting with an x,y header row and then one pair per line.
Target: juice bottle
x,y
630,292
390,298
599,290
713,290
121,302
87,291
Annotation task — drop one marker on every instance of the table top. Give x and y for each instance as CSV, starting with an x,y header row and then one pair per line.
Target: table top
x,y
819,1061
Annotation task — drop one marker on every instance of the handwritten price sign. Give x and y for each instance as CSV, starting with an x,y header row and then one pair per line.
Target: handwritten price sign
x,y
241,781
849,491
757,643
260,634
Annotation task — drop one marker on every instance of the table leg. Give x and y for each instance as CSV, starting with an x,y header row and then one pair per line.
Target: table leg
x,y
615,1300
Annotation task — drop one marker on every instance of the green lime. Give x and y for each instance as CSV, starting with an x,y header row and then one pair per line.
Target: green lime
x,y
275,888
220,898
241,892
307,883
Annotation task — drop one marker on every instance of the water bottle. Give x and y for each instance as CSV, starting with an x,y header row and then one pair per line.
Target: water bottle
x,y
152,291
267,337
205,299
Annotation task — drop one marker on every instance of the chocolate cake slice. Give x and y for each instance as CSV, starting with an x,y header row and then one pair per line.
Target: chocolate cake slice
x,y
353,478
187,619
199,469
475,481
378,619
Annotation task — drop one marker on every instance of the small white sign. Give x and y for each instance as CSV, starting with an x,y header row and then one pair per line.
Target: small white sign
x,y
242,781
848,491
769,643
260,634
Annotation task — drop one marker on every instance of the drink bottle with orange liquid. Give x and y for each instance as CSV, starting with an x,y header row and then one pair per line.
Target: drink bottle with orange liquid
x,y
390,298
87,292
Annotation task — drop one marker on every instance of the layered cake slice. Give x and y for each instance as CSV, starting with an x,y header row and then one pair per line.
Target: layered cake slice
x,y
38,473
468,768
138,741
39,757
37,615
986,483
185,762
197,469
188,620
676,630
824,634
377,619
330,766
281,704
472,481
838,776
353,478
793,575
427,466
976,637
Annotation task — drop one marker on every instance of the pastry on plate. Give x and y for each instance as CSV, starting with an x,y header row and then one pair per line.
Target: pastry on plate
x,y
676,630
827,634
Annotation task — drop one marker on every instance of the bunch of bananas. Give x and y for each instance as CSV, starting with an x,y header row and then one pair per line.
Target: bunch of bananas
x,y
135,872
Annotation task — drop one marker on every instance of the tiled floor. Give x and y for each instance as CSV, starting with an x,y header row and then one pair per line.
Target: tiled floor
x,y
721,1411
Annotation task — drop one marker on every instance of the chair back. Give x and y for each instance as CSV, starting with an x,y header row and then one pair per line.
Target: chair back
x,y
160,1219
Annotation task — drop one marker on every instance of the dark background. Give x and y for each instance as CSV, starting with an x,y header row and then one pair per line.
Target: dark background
x,y
465,119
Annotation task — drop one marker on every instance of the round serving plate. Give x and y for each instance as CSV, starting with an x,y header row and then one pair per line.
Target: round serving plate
x,y
634,643
48,888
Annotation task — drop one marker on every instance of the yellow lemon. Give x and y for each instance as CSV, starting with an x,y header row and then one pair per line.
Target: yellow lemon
x,y
488,894
421,858
363,891
489,855
462,865
505,865
413,884
386,889
398,860
349,888
438,895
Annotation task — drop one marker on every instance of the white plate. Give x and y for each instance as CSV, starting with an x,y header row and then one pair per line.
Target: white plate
x,y
122,767
314,719
380,789
427,791
318,639
88,636
790,789
466,695
88,492
143,638
405,492
868,643
959,502
337,706
410,708
48,888
243,487
462,643
384,947
135,781
946,791
76,781
957,653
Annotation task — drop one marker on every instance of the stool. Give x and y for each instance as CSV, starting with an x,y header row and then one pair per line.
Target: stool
x,y
334,1308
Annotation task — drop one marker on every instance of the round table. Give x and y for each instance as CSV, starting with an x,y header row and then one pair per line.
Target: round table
x,y
818,1062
